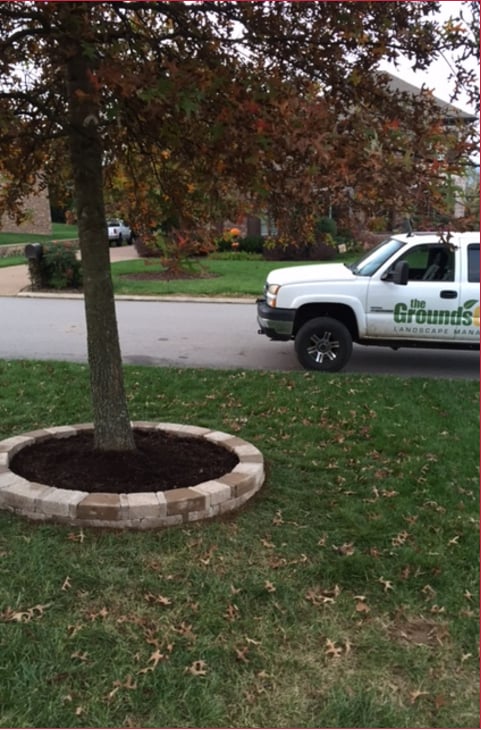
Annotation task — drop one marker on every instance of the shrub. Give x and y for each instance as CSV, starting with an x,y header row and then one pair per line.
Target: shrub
x,y
325,225
236,256
57,268
279,250
251,244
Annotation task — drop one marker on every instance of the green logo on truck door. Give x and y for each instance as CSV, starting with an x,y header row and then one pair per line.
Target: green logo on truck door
x,y
416,312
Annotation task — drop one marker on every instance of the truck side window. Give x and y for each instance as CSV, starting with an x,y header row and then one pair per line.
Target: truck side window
x,y
473,262
430,263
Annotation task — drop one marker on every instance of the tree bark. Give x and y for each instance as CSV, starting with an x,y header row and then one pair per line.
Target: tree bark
x,y
112,427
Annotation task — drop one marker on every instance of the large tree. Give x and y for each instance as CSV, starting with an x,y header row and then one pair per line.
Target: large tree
x,y
206,97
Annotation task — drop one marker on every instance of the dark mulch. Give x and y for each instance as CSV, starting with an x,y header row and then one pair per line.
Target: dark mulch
x,y
162,461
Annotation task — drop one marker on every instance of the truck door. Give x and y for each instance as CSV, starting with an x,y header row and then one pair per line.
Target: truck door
x,y
468,330
427,307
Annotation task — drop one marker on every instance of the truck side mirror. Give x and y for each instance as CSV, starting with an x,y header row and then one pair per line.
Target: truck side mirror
x,y
400,274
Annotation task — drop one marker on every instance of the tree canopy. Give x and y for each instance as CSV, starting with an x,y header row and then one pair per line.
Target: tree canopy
x,y
185,110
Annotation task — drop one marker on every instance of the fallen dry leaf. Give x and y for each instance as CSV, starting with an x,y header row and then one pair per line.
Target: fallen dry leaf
x,y
387,584
73,629
362,607
413,696
76,536
232,613
157,657
128,683
429,592
197,668
400,539
270,587
161,600
35,612
185,629
93,615
241,654
346,549
332,650
81,656
206,558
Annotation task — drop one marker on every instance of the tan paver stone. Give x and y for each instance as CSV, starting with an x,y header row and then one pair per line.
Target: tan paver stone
x,y
99,506
14,444
60,502
180,501
23,495
215,492
248,453
8,478
61,432
219,436
142,504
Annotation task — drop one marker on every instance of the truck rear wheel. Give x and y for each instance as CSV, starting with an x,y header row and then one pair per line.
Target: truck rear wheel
x,y
323,344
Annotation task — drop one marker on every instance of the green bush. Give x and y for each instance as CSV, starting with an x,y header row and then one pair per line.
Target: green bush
x,y
251,244
236,256
325,225
247,244
57,268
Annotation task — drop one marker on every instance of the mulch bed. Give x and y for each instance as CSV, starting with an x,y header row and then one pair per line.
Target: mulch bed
x,y
167,275
162,461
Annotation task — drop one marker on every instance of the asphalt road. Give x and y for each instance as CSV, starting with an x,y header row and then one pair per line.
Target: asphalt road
x,y
186,334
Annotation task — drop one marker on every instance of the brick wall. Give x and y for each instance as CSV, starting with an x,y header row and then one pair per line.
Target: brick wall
x,y
38,220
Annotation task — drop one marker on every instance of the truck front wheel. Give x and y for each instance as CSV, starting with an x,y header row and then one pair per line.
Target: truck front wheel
x,y
323,344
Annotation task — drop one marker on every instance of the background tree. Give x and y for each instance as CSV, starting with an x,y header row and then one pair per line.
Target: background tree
x,y
203,98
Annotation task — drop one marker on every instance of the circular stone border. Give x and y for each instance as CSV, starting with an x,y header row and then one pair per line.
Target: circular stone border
x,y
140,510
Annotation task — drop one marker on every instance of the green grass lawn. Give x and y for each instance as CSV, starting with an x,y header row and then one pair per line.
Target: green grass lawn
x,y
60,231
239,278
343,595
11,261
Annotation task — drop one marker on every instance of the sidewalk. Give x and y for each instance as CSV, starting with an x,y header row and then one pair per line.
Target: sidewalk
x,y
15,279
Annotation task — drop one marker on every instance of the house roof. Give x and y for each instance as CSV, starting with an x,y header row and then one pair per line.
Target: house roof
x,y
451,112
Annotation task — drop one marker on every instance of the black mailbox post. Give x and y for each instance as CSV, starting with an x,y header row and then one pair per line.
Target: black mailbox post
x,y
34,253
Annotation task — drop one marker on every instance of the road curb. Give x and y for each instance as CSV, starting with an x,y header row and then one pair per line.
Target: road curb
x,y
140,298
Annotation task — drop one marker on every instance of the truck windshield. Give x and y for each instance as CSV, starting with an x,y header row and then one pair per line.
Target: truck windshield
x,y
370,262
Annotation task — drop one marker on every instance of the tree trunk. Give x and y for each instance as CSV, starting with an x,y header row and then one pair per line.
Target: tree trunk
x,y
113,431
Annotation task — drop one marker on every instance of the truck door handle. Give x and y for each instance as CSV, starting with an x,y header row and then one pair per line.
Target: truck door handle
x,y
448,294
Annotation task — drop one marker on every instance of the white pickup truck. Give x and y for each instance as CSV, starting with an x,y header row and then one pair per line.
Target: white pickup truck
x,y
118,232
412,290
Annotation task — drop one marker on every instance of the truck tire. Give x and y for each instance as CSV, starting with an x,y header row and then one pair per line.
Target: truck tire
x,y
323,344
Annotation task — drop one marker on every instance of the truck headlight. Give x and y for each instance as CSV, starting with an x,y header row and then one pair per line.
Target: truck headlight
x,y
271,294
